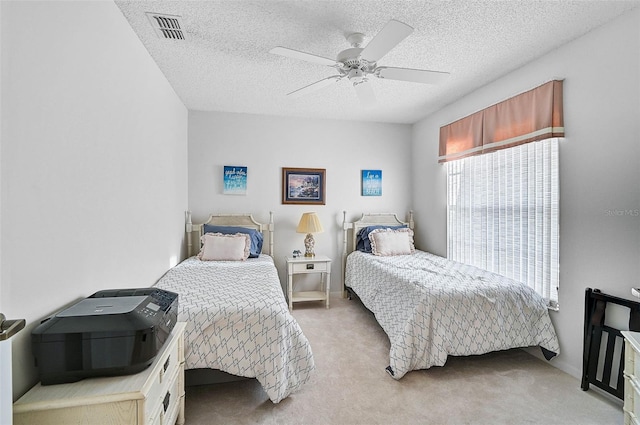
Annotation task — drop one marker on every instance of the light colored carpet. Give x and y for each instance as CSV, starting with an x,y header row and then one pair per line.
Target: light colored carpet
x,y
350,385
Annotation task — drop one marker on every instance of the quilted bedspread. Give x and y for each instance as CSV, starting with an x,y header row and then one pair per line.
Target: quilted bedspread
x,y
238,321
431,307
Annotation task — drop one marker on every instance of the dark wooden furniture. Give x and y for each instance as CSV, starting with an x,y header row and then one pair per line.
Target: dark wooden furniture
x,y
596,333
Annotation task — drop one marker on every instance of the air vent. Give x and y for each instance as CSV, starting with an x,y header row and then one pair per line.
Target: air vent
x,y
167,26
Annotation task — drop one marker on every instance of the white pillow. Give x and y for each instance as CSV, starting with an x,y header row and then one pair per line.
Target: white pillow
x,y
219,247
385,242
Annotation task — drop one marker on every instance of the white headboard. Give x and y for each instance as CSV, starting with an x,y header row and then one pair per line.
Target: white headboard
x,y
195,231
367,219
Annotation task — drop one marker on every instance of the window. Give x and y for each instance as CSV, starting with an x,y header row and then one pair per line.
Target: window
x,y
503,214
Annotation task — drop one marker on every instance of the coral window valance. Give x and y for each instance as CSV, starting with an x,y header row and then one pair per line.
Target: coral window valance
x,y
528,117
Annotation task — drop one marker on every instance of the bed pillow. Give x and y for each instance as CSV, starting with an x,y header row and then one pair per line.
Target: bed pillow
x,y
387,242
255,235
362,238
221,247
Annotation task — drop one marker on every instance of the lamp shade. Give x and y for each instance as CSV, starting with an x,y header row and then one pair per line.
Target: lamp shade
x,y
309,223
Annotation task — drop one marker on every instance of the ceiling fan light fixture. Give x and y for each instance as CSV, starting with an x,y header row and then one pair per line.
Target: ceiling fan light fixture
x,y
356,76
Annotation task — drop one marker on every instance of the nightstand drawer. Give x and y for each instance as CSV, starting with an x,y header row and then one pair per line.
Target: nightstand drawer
x,y
310,267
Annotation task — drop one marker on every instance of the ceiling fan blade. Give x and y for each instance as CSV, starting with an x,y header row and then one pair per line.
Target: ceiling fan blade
x,y
295,54
365,93
388,37
412,75
315,86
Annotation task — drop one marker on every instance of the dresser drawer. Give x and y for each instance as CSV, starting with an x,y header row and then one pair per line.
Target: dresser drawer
x,y
631,378
309,267
167,407
174,400
632,397
163,377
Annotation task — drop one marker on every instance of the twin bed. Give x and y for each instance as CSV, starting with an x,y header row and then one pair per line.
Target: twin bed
x,y
238,320
431,307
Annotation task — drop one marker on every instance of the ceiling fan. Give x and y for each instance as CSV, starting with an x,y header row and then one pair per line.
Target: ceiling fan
x,y
358,64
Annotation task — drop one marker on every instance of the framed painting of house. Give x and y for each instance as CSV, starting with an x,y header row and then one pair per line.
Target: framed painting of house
x,y
303,186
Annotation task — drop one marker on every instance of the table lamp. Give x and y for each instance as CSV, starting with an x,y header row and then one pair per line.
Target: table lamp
x,y
309,224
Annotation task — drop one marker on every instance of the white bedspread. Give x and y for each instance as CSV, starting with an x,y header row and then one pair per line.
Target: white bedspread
x,y
238,321
431,307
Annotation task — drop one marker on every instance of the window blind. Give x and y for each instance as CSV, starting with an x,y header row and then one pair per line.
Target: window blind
x,y
503,214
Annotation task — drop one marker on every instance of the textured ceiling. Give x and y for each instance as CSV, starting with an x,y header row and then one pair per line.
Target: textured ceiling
x,y
225,64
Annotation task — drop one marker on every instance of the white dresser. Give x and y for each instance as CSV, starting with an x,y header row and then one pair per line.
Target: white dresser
x,y
631,377
154,396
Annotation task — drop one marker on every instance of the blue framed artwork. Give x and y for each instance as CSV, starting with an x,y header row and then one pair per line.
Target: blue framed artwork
x,y
234,180
371,182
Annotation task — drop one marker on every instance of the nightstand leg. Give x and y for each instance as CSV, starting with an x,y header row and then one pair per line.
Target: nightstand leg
x,y
328,286
290,290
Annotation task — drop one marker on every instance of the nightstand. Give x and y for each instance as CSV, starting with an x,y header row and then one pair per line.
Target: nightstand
x,y
307,265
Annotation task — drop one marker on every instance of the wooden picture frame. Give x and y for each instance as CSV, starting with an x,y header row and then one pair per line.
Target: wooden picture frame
x,y
303,186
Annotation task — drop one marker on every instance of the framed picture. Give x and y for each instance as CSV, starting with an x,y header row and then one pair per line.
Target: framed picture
x,y
303,186
234,180
371,182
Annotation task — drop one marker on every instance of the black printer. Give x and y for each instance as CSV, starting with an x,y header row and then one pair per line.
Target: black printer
x,y
112,332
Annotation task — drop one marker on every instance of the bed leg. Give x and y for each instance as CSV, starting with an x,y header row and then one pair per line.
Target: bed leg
x,y
349,294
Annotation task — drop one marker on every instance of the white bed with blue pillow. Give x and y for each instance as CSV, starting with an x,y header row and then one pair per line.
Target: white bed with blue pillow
x,y
237,317
431,307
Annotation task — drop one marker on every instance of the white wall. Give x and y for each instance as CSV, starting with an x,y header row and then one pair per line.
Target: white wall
x,y
1,137
265,144
599,168
94,162
93,165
